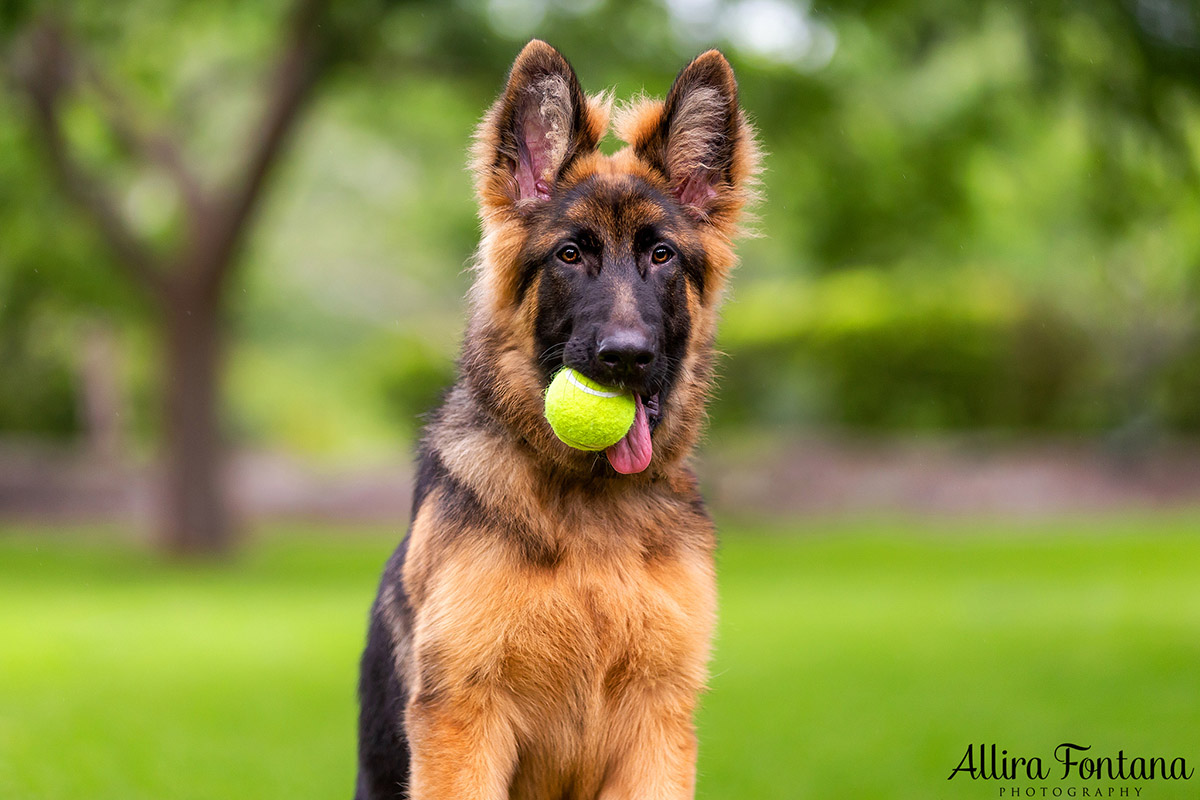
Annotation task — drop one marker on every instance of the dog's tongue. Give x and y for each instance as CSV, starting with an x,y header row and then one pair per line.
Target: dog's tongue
x,y
632,454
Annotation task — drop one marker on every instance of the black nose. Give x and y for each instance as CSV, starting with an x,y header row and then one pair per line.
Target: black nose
x,y
625,352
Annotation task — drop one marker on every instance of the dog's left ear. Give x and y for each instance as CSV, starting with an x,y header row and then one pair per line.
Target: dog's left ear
x,y
700,139
536,128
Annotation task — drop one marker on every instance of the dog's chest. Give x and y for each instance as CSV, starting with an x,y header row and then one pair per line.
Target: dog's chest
x,y
597,626
583,631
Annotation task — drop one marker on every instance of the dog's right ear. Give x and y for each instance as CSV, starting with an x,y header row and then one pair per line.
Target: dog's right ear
x,y
536,128
699,140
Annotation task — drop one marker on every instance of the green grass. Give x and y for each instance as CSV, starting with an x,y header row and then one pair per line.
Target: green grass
x,y
857,660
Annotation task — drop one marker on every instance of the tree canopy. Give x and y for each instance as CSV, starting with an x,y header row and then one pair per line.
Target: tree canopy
x,y
978,215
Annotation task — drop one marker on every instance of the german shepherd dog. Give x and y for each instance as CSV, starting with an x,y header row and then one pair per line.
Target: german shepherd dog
x,y
543,630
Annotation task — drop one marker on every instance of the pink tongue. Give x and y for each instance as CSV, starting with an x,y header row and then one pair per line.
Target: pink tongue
x,y
632,454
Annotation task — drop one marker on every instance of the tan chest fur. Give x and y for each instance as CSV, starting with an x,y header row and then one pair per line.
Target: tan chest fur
x,y
562,650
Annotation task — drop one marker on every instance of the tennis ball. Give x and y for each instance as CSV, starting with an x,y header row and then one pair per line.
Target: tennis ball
x,y
587,415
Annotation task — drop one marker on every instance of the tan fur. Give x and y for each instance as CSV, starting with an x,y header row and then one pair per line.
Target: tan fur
x,y
600,660
561,624
637,121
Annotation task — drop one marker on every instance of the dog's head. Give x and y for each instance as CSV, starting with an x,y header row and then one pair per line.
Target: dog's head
x,y
613,265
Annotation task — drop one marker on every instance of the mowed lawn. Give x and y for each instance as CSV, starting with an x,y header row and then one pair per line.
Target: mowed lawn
x,y
855,660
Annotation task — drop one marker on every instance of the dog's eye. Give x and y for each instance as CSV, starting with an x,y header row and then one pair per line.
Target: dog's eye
x,y
662,254
569,254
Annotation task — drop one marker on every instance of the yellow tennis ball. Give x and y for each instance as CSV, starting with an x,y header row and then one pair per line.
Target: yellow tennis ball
x,y
587,415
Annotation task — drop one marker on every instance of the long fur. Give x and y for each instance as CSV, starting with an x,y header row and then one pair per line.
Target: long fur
x,y
543,630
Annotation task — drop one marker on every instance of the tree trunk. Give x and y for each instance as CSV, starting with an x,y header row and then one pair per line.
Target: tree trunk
x,y
197,519
186,284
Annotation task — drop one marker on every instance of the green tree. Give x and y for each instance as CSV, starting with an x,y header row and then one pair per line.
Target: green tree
x,y
185,280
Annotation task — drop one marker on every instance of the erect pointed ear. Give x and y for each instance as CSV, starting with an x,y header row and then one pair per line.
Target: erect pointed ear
x,y
700,139
536,128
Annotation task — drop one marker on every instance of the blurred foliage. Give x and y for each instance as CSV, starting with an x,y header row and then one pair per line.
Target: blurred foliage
x,y
978,215
40,396
890,351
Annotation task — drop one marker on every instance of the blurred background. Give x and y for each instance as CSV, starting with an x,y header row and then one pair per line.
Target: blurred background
x,y
956,422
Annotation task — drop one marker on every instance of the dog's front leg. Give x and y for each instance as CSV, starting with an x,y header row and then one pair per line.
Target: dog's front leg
x,y
461,749
659,758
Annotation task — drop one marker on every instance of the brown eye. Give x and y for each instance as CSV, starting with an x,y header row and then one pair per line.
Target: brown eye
x,y
662,254
569,254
